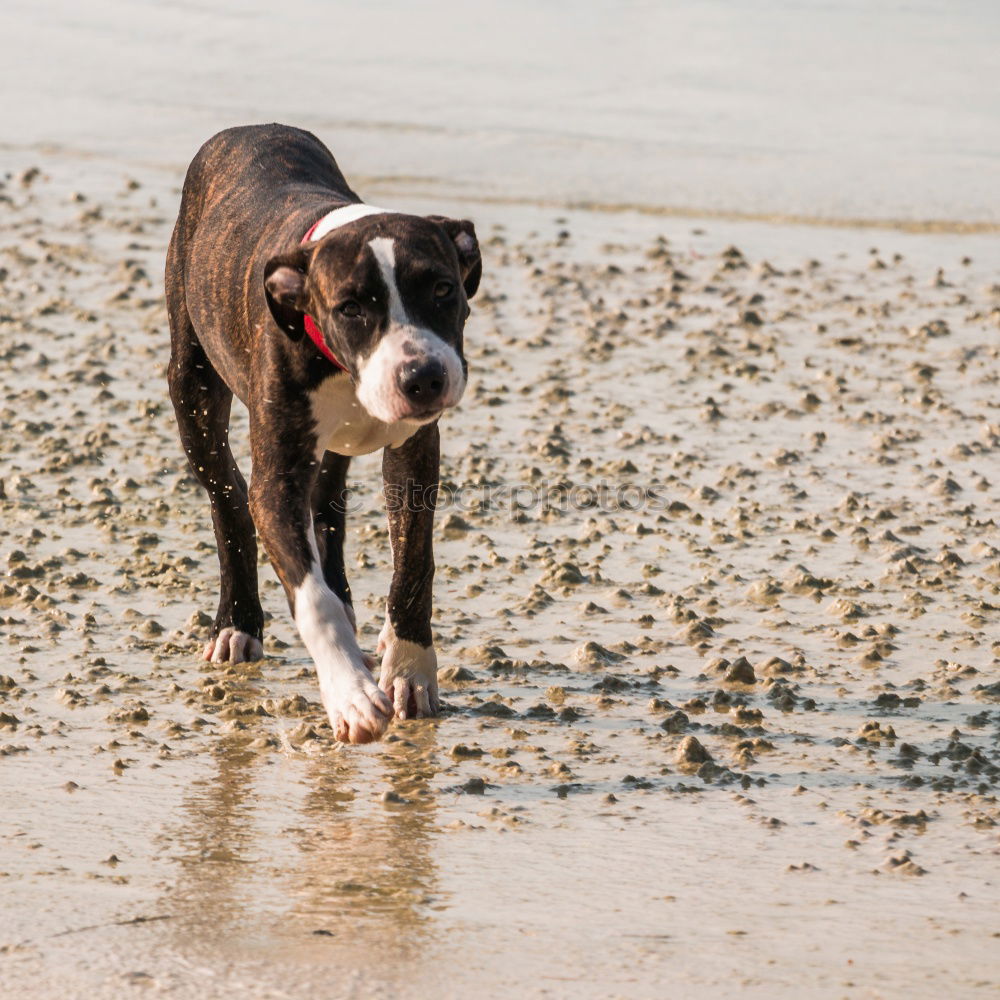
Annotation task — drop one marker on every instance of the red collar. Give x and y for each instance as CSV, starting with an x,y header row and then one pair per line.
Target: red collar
x,y
313,332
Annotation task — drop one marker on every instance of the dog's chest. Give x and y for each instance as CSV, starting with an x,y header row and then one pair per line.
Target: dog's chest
x,y
344,426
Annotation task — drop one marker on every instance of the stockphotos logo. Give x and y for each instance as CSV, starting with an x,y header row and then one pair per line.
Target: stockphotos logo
x,y
510,498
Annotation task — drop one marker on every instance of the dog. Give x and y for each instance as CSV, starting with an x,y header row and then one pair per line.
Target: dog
x,y
339,326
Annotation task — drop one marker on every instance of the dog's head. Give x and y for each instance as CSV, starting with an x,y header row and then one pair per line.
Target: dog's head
x,y
389,294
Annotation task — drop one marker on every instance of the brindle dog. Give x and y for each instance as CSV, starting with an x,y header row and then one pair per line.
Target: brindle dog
x,y
339,326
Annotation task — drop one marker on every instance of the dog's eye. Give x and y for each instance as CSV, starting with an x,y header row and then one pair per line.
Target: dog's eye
x,y
443,290
350,308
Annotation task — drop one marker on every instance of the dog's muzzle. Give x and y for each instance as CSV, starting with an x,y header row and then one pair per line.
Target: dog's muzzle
x,y
423,383
411,375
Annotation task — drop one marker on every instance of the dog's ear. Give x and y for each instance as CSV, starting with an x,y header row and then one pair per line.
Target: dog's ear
x,y
463,235
285,290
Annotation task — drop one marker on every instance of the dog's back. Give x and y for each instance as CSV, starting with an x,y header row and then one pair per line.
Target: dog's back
x,y
247,187
243,171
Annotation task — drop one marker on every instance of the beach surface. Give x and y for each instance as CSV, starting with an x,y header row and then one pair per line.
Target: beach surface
x,y
718,575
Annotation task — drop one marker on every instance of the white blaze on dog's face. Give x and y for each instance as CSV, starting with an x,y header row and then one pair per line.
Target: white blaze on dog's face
x,y
387,296
412,374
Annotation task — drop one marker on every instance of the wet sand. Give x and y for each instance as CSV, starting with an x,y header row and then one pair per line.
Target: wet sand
x,y
724,722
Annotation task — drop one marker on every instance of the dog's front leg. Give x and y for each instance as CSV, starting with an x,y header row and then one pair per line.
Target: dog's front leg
x,y
280,502
409,663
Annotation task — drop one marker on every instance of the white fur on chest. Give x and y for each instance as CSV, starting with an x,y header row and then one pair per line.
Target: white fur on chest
x,y
344,426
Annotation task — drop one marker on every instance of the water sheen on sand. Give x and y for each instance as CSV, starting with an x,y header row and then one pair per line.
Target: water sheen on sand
x,y
718,568
721,711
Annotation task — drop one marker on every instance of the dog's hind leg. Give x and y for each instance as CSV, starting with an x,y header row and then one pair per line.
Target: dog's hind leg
x,y
202,403
329,522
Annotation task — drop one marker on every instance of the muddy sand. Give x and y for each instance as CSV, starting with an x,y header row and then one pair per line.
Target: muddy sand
x,y
717,605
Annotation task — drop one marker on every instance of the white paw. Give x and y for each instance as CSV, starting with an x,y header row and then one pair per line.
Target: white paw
x,y
358,711
408,675
232,646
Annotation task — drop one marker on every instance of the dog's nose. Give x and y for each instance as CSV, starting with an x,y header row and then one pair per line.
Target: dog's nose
x,y
423,383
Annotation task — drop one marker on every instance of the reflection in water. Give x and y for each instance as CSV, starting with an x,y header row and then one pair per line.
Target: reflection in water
x,y
277,849
214,846
374,864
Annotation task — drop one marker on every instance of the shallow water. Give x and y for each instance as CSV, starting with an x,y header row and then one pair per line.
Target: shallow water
x,y
824,496
794,108
811,420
